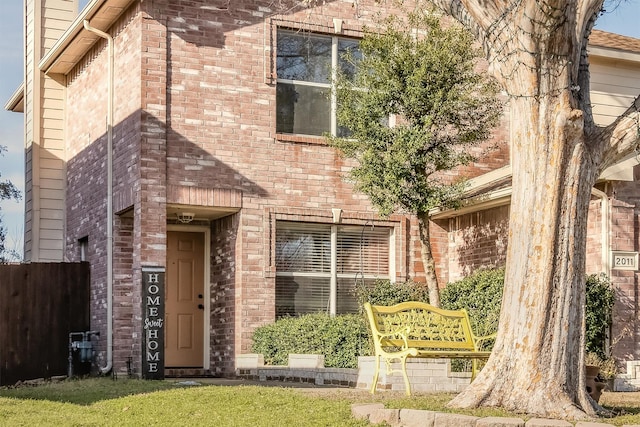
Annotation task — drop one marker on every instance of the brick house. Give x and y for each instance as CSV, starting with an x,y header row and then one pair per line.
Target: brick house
x,y
182,140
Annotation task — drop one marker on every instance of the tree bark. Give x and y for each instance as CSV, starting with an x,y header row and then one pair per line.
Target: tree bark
x,y
431,279
537,365
538,359
537,51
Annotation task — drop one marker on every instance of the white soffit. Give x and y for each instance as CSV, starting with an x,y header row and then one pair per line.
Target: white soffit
x,y
76,41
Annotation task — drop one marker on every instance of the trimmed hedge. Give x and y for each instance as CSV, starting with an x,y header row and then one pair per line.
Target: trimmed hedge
x,y
341,339
481,295
383,292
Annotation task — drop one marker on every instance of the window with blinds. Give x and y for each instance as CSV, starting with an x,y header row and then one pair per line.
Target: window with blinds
x,y
319,265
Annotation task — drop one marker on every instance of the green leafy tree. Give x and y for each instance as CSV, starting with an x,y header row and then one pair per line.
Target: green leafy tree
x,y
409,113
7,191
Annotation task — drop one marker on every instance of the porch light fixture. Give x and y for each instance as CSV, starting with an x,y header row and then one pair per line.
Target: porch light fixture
x,y
185,217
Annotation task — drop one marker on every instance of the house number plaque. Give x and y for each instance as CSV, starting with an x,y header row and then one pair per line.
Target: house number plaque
x,y
153,323
624,260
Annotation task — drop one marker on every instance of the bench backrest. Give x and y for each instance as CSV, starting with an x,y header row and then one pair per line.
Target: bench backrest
x,y
423,325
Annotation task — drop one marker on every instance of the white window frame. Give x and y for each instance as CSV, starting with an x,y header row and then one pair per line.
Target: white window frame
x,y
333,273
334,67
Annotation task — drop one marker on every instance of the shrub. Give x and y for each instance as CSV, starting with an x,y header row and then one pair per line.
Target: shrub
x,y
383,292
341,339
481,295
598,313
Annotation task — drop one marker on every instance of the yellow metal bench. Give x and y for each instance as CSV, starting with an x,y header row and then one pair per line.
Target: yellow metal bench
x,y
417,329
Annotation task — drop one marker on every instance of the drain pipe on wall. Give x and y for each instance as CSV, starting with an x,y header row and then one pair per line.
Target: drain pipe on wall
x,y
109,39
604,229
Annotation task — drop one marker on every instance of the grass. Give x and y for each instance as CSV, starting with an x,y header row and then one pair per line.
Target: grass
x,y
104,402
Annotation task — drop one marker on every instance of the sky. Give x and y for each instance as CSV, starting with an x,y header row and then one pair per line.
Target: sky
x,y
623,19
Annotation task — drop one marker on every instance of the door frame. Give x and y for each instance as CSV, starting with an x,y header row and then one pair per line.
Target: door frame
x,y
206,343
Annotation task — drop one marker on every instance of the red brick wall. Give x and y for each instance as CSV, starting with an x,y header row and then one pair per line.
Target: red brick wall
x,y
127,299
624,235
195,108
491,155
86,136
594,238
223,313
221,134
476,240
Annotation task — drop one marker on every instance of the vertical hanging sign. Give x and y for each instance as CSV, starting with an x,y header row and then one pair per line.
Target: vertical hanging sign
x,y
153,323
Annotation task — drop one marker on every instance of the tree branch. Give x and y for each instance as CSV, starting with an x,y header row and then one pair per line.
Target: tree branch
x,y
587,13
469,13
621,137
583,80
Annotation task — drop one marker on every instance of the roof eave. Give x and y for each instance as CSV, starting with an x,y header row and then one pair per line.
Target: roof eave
x,y
102,14
16,102
611,53
621,171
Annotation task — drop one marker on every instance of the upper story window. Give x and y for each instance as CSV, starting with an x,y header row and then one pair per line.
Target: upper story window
x,y
305,65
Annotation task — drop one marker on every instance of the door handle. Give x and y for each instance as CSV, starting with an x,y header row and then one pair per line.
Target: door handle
x,y
201,307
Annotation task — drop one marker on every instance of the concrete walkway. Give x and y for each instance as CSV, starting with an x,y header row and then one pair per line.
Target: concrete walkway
x,y
376,413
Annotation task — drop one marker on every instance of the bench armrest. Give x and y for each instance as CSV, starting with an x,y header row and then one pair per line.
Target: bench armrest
x,y
402,332
478,341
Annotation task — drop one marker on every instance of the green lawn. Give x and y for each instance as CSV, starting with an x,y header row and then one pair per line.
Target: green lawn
x,y
104,402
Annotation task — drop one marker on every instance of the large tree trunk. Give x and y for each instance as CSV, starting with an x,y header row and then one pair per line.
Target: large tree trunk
x,y
538,358
537,51
537,365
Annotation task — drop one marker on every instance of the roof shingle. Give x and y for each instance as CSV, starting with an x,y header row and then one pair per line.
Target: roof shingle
x,y
614,41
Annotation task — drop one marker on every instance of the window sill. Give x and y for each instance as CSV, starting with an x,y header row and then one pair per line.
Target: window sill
x,y
307,139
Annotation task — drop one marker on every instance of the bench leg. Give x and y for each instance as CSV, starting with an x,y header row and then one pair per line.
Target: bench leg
x,y
405,376
402,358
474,369
376,373
403,364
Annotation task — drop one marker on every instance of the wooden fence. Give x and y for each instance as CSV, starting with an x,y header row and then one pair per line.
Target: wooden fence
x,y
40,304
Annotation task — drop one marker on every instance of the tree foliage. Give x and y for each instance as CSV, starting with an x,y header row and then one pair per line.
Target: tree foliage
x,y
385,292
424,80
480,294
7,191
599,313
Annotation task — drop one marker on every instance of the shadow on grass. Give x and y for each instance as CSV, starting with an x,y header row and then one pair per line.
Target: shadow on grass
x,y
622,410
86,391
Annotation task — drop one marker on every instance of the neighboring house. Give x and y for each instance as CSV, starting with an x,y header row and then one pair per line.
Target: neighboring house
x,y
220,185
476,235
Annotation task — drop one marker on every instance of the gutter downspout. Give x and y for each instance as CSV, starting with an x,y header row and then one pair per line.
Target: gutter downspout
x,y
109,39
604,200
